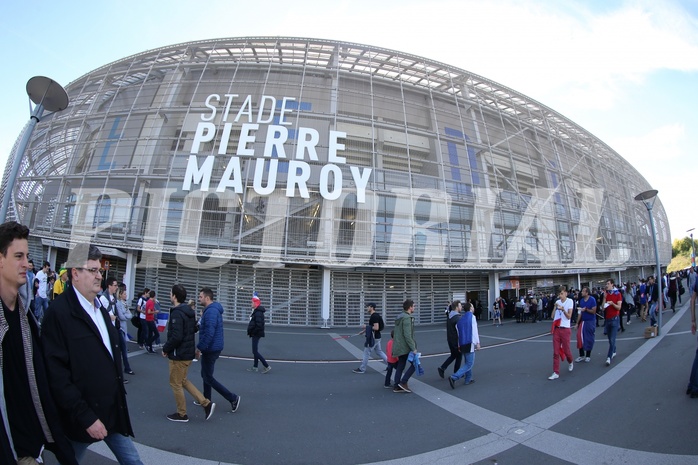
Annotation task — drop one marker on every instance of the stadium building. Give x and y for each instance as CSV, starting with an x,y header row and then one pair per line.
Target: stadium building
x,y
325,175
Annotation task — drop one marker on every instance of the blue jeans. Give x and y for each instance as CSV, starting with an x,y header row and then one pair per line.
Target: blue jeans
x,y
466,368
40,307
255,351
121,446
208,362
367,353
455,356
653,313
124,351
611,332
401,363
693,380
153,333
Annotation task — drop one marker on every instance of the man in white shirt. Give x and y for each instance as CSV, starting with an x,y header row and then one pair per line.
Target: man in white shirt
x,y
561,332
41,300
81,348
108,299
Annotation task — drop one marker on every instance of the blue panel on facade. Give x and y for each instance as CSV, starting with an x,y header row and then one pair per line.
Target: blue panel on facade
x,y
114,136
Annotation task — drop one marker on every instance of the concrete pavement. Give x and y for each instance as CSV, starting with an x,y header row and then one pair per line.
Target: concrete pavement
x,y
311,408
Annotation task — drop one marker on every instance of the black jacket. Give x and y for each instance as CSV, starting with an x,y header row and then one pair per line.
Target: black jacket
x,y
86,381
61,447
451,332
256,326
181,328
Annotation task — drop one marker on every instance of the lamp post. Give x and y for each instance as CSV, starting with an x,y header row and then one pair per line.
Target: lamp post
x,y
693,249
648,198
48,95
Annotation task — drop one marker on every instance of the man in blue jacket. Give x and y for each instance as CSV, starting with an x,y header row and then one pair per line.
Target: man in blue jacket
x,y
210,346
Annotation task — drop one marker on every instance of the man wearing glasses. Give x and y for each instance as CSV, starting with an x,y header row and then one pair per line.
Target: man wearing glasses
x,y
82,350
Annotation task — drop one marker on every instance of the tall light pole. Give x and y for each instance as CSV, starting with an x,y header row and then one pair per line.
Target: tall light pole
x,y
693,249
47,95
648,198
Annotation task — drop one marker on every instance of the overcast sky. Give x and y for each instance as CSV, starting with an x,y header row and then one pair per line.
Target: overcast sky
x,y
626,71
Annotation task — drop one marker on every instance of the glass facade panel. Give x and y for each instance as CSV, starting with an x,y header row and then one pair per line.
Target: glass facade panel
x,y
309,153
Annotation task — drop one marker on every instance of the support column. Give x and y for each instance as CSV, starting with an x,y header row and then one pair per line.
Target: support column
x,y
325,307
493,291
51,256
129,277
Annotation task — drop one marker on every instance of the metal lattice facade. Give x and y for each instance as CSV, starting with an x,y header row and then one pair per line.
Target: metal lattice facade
x,y
257,162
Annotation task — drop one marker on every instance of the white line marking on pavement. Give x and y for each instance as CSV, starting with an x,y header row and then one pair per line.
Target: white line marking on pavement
x,y
533,431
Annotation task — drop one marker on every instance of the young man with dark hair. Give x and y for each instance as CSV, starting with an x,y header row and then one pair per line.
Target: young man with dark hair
x,y
452,338
29,420
152,331
142,326
180,350
403,344
612,302
81,347
210,346
373,338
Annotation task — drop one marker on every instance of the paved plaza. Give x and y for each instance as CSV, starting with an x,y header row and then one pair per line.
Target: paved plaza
x,y
311,408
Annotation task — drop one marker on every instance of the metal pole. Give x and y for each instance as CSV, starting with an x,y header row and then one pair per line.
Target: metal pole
x,y
19,154
660,303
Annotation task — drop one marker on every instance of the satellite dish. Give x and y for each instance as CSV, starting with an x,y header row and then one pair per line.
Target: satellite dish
x,y
47,92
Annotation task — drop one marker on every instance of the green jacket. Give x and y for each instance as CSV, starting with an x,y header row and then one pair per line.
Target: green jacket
x,y
403,342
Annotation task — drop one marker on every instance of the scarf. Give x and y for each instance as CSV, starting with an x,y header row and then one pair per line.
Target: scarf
x,y
29,361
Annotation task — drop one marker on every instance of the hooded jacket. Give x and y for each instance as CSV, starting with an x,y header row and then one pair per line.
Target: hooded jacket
x,y
256,326
403,342
451,332
211,329
181,328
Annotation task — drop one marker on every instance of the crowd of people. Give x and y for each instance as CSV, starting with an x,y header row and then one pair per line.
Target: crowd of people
x,y
584,310
639,298
75,336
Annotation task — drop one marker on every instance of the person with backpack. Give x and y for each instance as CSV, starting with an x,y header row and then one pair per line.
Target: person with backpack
x,y
373,338
140,322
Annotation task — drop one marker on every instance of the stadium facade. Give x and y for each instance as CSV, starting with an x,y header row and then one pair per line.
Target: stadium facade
x,y
325,175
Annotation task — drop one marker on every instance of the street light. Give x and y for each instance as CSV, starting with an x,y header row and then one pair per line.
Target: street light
x,y
693,249
48,95
648,198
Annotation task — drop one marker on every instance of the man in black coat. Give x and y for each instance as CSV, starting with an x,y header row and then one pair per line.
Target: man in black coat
x,y
81,347
452,339
29,420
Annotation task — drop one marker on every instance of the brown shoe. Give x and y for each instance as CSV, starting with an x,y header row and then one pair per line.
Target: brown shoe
x,y
404,387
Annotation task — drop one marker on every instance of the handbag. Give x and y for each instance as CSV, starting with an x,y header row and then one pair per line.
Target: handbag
x,y
136,321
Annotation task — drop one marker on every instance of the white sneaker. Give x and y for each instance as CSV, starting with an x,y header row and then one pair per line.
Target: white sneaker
x,y
608,361
588,359
553,376
571,367
579,359
614,355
